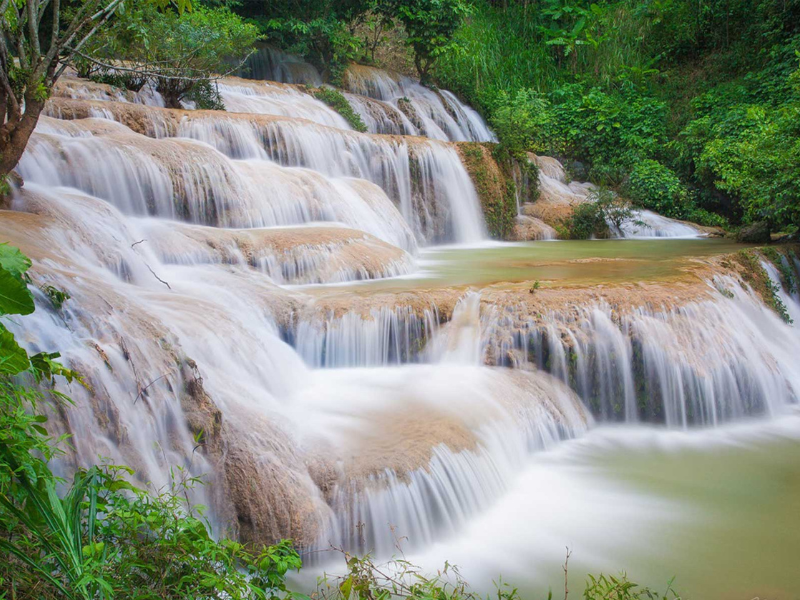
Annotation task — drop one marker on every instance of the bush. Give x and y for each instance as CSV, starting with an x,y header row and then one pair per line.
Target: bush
x,y
523,122
654,186
337,101
587,221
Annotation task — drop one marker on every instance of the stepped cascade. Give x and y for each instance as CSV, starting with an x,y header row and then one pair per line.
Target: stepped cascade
x,y
315,302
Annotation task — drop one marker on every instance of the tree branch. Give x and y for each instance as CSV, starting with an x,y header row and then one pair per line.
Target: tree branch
x,y
141,71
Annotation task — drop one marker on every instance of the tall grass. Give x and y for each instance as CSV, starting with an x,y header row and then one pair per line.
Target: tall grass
x,y
507,49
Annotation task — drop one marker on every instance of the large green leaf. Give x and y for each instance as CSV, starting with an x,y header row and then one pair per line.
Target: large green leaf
x,y
15,299
11,259
13,359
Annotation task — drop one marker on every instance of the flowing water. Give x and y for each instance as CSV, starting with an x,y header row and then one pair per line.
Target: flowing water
x,y
324,309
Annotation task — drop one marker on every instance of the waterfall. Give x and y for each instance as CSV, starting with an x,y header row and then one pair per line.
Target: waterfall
x,y
178,178
273,65
244,278
434,114
558,195
268,98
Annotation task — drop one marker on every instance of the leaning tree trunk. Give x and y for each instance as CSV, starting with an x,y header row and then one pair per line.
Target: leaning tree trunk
x,y
14,136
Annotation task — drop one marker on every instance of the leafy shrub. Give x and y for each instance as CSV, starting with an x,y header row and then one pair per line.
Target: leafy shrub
x,y
337,101
176,52
701,216
654,186
429,26
586,221
205,96
752,152
523,122
367,580
603,213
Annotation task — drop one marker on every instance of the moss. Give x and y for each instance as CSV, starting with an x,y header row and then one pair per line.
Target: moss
x,y
781,262
336,100
495,187
758,279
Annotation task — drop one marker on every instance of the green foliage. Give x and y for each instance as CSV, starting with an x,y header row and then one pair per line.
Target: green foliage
x,y
179,53
781,262
367,580
524,122
654,186
710,91
322,31
748,151
57,296
429,26
495,185
603,213
608,587
106,538
756,276
586,222
325,32
336,100
205,96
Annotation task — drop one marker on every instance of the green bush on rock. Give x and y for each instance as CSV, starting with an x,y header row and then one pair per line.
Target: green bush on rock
x,y
337,101
656,187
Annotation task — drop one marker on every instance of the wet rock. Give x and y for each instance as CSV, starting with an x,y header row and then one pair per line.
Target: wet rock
x,y
530,228
755,233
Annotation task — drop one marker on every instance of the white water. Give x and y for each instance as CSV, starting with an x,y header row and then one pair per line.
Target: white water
x,y
272,99
440,115
555,188
186,254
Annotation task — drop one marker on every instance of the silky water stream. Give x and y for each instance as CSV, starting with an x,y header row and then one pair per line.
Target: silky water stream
x,y
365,365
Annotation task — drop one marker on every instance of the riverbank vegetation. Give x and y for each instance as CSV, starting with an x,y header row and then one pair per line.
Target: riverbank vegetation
x,y
690,109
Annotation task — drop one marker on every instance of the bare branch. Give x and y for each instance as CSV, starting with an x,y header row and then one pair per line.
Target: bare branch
x,y
43,4
160,75
33,22
75,28
144,389
157,277
56,24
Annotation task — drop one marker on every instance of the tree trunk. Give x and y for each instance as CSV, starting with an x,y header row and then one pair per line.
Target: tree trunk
x,y
14,136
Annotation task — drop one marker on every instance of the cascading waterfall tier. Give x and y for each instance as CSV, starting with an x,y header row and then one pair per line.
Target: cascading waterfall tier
x,y
683,365
268,98
387,102
425,179
143,324
405,107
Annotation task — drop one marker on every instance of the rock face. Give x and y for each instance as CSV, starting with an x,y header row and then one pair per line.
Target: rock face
x,y
756,233
557,195
495,189
530,228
